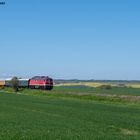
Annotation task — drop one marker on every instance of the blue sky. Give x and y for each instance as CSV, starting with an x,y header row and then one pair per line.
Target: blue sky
x,y
83,39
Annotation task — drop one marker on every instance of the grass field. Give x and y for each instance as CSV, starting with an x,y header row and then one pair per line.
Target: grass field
x,y
56,115
85,90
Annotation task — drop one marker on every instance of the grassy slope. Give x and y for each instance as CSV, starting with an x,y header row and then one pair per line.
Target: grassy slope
x,y
49,117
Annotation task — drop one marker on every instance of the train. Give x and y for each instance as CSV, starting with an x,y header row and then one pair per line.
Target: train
x,y
36,82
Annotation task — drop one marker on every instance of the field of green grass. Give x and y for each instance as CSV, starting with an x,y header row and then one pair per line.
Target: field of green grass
x,y
69,113
85,90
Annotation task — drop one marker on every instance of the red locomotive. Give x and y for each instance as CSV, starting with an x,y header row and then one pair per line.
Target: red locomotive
x,y
41,82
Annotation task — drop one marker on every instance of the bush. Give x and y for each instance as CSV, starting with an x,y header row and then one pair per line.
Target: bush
x,y
105,86
15,83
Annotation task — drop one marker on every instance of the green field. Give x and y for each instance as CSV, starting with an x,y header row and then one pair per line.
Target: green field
x,y
67,113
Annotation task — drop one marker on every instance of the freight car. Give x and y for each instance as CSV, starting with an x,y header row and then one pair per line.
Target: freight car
x,y
8,82
22,82
41,82
2,83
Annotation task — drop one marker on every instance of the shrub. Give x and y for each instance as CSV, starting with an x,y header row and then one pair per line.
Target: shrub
x,y
105,86
15,83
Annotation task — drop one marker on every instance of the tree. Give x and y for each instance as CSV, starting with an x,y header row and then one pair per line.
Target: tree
x,y
15,83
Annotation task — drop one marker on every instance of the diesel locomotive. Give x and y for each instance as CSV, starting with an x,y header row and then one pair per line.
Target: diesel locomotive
x,y
42,82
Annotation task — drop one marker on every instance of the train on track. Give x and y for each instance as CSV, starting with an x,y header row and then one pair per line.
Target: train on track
x,y
37,82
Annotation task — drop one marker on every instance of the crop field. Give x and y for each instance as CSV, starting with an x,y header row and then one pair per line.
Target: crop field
x,y
70,113
98,84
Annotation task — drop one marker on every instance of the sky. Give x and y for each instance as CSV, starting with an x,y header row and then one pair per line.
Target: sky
x,y
70,39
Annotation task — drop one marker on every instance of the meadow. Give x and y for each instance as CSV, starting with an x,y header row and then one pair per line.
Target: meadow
x,y
70,113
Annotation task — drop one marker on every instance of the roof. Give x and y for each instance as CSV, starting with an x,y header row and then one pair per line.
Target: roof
x,y
40,77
